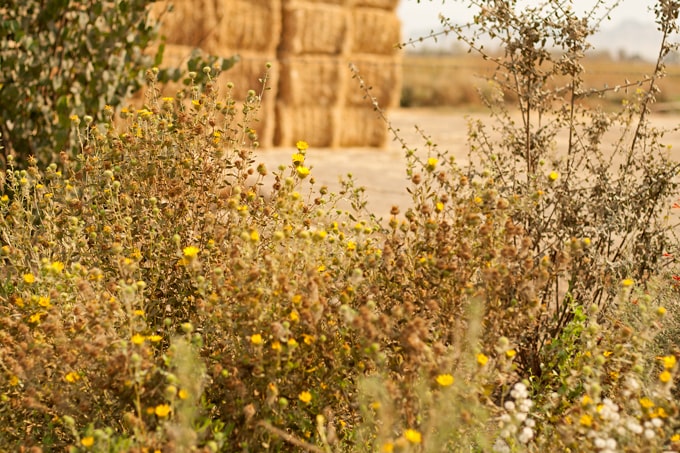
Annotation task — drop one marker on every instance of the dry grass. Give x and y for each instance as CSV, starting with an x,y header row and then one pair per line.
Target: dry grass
x,y
455,80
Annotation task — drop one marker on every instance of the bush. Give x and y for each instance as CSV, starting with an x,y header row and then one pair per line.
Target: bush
x,y
62,58
161,290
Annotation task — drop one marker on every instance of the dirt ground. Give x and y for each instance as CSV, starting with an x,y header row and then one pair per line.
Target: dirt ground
x,y
382,171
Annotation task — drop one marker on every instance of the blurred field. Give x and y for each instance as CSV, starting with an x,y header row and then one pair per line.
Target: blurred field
x,y
455,80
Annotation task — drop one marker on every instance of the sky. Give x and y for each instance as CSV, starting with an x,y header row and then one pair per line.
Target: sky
x,y
418,17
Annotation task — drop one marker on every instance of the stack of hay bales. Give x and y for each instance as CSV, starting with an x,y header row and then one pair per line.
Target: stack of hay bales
x,y
319,101
374,33
224,28
310,43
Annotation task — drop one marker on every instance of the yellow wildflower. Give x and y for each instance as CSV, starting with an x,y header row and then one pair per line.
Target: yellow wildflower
x,y
665,377
586,420
44,301
71,377
294,316
87,441
298,159
646,403
57,266
553,176
444,380
137,339
29,278
413,436
387,447
276,346
627,282
431,163
302,171
482,359
183,394
256,339
510,353
191,251
302,145
305,397
155,338
162,410
669,361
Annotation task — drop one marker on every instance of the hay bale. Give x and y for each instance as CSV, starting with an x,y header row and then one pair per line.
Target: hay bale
x,y
382,4
189,23
245,25
314,28
373,31
361,126
382,74
311,123
311,80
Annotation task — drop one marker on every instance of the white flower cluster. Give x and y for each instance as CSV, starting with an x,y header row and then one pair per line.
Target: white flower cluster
x,y
515,422
609,414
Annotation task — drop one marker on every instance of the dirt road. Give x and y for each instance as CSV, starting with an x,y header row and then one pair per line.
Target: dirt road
x,y
382,172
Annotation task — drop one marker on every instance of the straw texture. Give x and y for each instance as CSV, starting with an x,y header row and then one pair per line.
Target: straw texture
x,y
314,28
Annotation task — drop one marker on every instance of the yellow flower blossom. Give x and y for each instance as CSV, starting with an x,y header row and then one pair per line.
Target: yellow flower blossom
x,y
387,447
302,145
431,163
162,410
627,282
71,377
413,436
553,176
302,171
29,278
510,353
646,403
294,316
256,339
191,251
44,301
183,394
665,377
305,397
57,266
87,441
298,159
155,338
445,380
482,359
586,420
137,339
586,400
276,346
669,361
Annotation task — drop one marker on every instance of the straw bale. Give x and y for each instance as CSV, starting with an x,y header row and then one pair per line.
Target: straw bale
x,y
382,74
361,126
189,23
382,4
311,123
374,31
314,28
245,25
311,80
